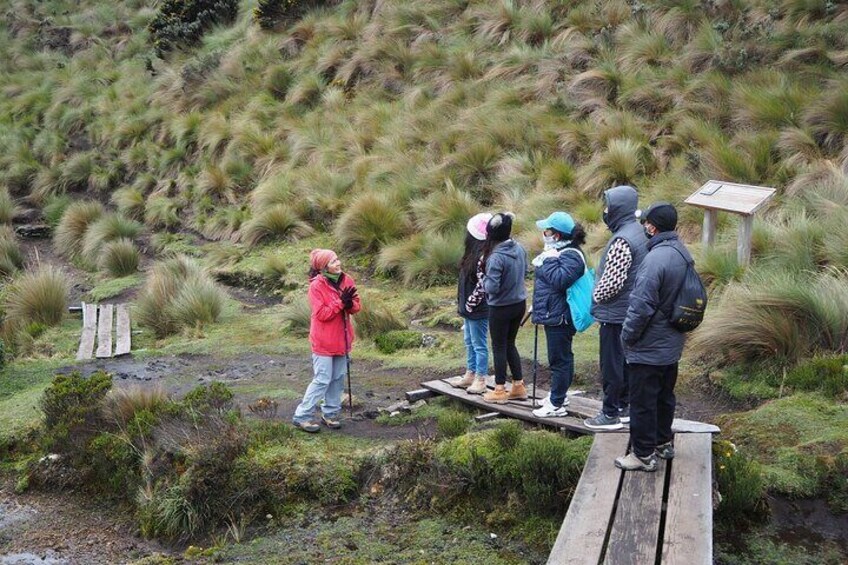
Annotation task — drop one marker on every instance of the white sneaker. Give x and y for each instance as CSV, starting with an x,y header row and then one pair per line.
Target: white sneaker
x,y
548,410
547,400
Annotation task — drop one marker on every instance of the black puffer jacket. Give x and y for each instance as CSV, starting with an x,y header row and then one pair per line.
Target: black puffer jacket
x,y
649,339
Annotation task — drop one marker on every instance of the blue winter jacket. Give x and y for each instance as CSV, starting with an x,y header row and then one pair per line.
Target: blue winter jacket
x,y
550,292
647,335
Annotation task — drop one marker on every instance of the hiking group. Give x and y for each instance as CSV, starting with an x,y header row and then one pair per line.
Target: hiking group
x,y
633,296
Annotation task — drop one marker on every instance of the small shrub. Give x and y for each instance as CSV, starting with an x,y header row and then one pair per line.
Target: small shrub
x,y
452,423
393,341
507,436
740,483
182,23
40,296
376,318
216,397
8,206
277,222
271,13
122,404
68,239
72,407
119,258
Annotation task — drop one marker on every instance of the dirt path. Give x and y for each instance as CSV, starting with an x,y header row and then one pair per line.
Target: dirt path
x,y
40,528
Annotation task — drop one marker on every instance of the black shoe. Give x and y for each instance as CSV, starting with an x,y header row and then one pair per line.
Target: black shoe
x,y
665,451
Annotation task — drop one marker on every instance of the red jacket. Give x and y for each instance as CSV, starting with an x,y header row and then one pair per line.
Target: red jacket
x,y
326,330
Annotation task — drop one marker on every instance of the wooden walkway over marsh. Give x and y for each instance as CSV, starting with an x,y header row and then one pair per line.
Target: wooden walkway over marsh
x,y
618,518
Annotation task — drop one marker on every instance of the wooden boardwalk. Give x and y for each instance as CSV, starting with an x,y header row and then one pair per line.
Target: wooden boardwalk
x,y
630,518
97,323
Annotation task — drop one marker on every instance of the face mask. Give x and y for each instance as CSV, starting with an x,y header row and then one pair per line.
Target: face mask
x,y
549,240
606,216
648,234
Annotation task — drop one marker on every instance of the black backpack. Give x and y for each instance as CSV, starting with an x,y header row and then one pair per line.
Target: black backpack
x,y
687,309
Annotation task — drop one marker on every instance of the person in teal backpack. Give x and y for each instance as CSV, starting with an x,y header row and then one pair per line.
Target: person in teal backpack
x,y
558,267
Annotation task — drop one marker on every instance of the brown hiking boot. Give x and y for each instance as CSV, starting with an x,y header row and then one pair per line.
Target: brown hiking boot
x,y
518,391
464,381
479,386
497,396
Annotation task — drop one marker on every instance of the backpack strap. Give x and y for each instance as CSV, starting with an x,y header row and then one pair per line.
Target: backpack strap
x,y
582,257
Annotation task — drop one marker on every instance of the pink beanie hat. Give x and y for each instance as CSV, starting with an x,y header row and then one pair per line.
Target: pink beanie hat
x,y
477,225
320,258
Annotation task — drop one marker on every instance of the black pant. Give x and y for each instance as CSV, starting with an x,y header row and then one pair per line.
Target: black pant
x,y
614,373
504,322
652,405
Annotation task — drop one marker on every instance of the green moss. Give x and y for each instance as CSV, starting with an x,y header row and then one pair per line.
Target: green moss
x,y
109,288
393,341
801,442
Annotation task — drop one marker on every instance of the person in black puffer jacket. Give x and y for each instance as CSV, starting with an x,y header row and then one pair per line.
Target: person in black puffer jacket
x,y
558,267
472,306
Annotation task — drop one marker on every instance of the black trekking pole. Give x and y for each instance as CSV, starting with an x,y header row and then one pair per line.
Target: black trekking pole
x,y
535,359
347,360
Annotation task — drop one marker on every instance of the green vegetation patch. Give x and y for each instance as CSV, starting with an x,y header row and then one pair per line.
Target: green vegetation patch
x,y
110,288
395,340
801,442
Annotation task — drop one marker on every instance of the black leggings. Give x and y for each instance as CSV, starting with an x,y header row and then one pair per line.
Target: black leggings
x,y
504,322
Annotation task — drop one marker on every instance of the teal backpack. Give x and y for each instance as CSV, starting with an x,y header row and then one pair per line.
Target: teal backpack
x,y
580,296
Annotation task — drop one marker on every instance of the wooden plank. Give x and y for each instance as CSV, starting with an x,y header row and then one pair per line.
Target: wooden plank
x,y
89,323
635,531
413,396
520,412
581,537
731,197
488,416
688,536
123,342
104,331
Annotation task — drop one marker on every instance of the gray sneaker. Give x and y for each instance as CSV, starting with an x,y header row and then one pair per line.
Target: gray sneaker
x,y
665,451
603,422
624,415
633,462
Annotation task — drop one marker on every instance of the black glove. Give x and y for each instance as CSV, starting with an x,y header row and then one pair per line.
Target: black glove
x,y
347,296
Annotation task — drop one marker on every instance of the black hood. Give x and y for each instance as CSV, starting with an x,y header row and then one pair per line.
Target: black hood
x,y
621,203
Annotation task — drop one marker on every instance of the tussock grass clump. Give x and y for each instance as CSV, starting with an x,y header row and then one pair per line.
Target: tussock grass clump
x,y
376,318
130,202
40,296
277,222
122,404
8,206
178,294
370,222
161,212
423,260
298,314
778,316
54,209
119,258
68,239
11,256
106,229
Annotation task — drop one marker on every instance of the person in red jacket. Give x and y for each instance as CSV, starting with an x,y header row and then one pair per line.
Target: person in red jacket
x,y
333,298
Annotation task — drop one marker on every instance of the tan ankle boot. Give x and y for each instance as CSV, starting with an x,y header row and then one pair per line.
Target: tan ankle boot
x,y
479,386
497,396
518,391
464,381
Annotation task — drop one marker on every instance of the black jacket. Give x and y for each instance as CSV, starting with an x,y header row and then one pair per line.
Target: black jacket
x,y
648,337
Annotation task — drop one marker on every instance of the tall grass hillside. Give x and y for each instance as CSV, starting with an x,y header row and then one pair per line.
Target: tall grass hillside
x,y
386,123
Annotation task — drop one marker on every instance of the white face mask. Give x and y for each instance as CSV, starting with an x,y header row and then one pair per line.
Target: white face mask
x,y
549,240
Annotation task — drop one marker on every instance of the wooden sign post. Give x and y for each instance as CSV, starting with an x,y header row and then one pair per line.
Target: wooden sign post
x,y
742,199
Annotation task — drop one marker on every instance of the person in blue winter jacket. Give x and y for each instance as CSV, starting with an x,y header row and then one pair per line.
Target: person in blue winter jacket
x,y
557,268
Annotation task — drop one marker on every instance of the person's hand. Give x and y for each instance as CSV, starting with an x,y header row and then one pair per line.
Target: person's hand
x,y
348,295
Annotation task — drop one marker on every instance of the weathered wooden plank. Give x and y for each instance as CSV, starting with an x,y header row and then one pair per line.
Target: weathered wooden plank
x,y
635,530
413,396
488,416
89,324
104,331
708,232
688,535
123,341
743,241
581,537
520,412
